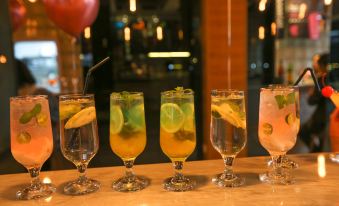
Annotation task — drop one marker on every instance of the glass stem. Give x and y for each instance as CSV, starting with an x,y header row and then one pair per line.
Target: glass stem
x,y
277,165
82,170
129,171
228,171
34,173
178,176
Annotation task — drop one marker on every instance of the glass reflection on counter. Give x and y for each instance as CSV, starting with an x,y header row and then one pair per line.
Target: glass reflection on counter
x,y
321,166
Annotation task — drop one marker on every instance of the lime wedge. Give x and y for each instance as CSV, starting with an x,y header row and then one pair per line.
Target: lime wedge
x,y
81,118
290,119
41,119
267,128
116,120
23,138
227,114
172,117
67,110
188,109
136,116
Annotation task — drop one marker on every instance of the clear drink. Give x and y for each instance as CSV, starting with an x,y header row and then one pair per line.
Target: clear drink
x,y
79,138
128,136
31,140
278,128
228,131
177,133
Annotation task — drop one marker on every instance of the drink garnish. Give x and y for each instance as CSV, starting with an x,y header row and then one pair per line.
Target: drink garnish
x,y
27,116
188,109
41,119
228,114
136,117
327,91
267,128
284,100
23,137
290,119
81,118
172,117
67,110
117,119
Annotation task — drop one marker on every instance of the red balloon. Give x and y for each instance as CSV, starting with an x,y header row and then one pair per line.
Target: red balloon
x,y
17,12
72,16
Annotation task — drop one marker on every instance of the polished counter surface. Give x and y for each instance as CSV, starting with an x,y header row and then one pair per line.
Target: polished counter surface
x,y
317,183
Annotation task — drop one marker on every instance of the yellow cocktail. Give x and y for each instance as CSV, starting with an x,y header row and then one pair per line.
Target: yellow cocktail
x,y
128,136
177,133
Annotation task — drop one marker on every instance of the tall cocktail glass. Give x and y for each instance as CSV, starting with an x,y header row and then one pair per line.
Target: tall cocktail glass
x,y
31,140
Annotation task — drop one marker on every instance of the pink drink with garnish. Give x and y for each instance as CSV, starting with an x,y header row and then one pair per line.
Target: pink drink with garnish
x,y
278,121
31,131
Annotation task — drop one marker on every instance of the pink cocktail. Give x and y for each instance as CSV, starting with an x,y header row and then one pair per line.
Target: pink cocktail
x,y
31,140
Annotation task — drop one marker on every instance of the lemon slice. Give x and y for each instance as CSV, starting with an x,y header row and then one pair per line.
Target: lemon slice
x,y
81,118
67,110
188,109
228,114
116,120
172,117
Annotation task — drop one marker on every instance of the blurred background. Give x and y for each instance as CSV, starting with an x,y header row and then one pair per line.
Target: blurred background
x,y
157,45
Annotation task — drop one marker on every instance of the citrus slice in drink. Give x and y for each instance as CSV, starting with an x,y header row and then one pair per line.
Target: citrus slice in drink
x,y
267,128
172,117
67,110
188,109
116,120
81,118
41,119
227,114
136,116
23,138
290,119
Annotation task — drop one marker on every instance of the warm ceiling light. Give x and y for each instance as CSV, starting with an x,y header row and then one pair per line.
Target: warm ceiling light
x,y
132,5
273,28
262,5
127,34
302,11
261,32
3,59
327,2
32,1
168,54
87,33
159,33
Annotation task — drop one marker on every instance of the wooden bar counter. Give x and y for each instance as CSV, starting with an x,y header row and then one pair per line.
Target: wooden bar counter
x,y
317,183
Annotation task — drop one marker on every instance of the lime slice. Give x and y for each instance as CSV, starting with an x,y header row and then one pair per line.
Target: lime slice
x,y
172,117
267,128
41,119
81,118
23,138
188,109
136,116
116,119
290,119
68,110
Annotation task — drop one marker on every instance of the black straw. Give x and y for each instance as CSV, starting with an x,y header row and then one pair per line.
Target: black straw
x,y
313,77
90,72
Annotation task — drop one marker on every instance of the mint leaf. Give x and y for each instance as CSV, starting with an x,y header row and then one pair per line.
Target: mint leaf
x,y
281,101
291,98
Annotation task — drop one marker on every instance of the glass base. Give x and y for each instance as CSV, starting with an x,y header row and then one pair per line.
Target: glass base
x,y
81,187
31,192
221,180
283,179
126,184
286,163
334,157
185,184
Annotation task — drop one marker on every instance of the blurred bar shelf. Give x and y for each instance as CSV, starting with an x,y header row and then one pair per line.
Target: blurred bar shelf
x,y
316,184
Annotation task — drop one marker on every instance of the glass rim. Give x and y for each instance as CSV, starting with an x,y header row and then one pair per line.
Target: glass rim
x,y
278,87
173,93
118,95
217,91
26,97
70,96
